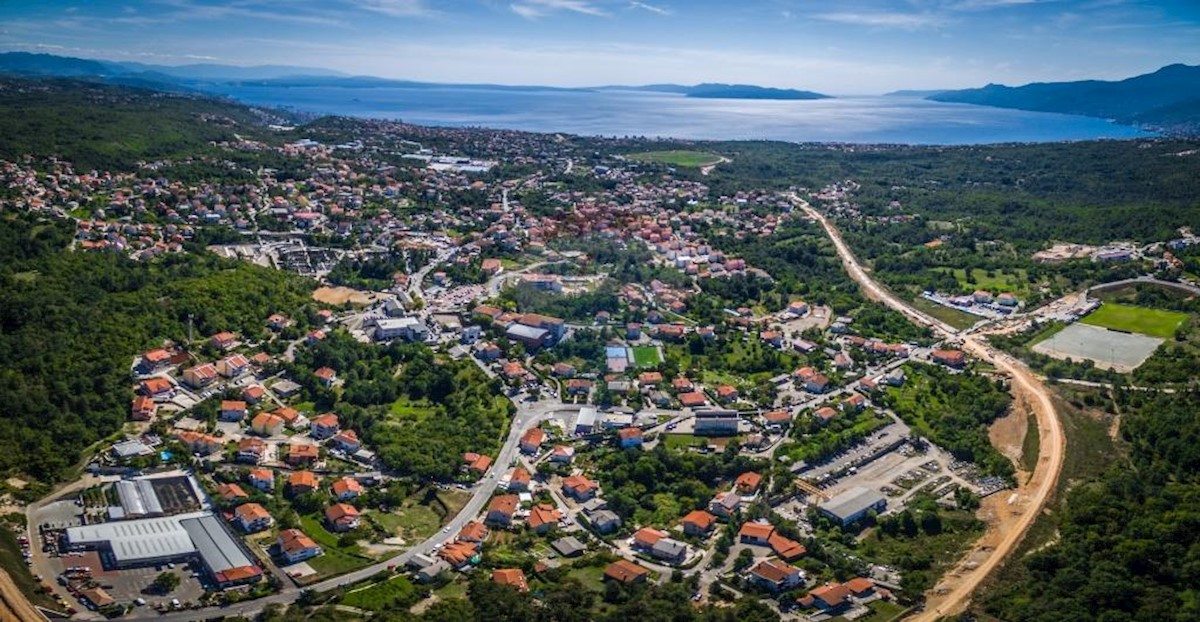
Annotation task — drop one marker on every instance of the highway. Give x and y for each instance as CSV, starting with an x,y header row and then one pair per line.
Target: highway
x,y
1051,448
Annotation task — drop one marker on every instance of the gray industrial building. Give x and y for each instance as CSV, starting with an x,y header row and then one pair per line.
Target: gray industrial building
x,y
716,422
853,504
183,537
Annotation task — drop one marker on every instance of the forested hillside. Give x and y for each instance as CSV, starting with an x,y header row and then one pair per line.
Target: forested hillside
x,y
1128,545
108,127
71,322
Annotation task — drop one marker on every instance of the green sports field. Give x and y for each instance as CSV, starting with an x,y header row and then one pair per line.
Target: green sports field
x,y
678,157
646,356
1152,322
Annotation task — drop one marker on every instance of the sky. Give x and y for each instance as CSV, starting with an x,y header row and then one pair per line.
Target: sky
x,y
831,46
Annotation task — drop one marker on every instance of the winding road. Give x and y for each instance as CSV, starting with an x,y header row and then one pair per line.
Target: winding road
x,y
1051,448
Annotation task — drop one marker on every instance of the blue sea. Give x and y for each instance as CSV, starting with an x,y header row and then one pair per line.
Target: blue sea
x,y
884,119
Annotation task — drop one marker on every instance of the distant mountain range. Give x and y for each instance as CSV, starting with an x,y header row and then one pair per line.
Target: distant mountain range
x,y
198,77
24,63
1167,99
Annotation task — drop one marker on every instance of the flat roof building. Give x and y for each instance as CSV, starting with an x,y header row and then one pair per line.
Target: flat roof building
x,y
137,542
149,541
853,505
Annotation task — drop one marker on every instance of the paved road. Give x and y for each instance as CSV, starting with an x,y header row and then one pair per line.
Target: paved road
x,y
1051,448
527,416
1144,280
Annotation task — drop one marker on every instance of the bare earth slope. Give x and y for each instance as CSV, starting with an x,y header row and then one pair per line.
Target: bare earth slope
x,y
1008,516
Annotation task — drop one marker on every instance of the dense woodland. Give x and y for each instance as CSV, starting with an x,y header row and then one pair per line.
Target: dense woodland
x,y
72,322
107,127
419,413
659,486
1128,545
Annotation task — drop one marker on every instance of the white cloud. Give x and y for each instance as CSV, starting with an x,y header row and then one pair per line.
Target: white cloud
x,y
989,4
533,9
396,8
910,21
649,7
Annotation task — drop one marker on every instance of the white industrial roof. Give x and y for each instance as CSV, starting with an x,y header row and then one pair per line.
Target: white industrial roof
x,y
216,547
132,540
852,501
138,498
528,332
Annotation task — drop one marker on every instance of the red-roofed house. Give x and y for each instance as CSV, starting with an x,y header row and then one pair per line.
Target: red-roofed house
x,y
154,387
698,523
253,394
949,358
155,361
251,450
629,437
786,548
252,517
232,410
519,480
579,487
647,537
775,575
346,488
473,531
347,441
324,426
143,408
747,483
543,517
831,596
326,375
302,482
233,366
501,510
755,533
512,577
262,479
341,517
532,440
302,455
223,340
200,376
824,415
624,571
294,546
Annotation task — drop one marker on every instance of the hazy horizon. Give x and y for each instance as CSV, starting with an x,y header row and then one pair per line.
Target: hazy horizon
x,y
855,47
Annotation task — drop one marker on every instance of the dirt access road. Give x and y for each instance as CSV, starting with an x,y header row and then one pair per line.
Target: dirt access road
x,y
1010,516
13,604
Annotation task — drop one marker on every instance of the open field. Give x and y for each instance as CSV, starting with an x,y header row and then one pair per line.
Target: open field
x,y
1118,351
1016,282
342,295
678,157
646,356
680,442
1152,322
407,409
954,317
335,560
395,593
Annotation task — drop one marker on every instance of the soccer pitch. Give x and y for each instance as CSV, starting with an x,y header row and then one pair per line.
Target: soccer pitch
x,y
1152,322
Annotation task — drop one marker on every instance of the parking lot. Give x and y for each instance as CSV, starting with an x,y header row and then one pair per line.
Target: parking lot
x,y
899,471
127,585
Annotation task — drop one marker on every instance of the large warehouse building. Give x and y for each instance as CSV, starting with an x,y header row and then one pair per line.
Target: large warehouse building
x,y
853,505
184,537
